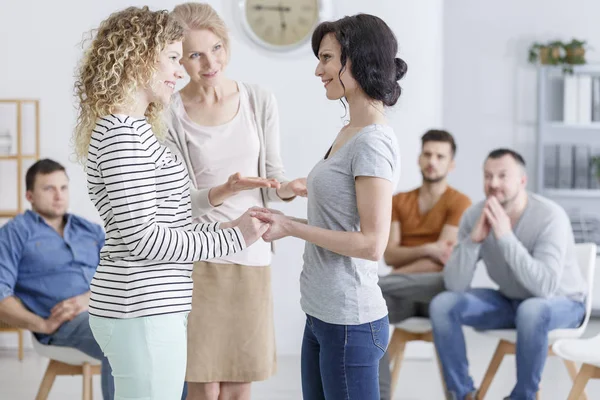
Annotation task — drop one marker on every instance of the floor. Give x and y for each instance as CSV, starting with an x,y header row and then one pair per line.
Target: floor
x,y
419,378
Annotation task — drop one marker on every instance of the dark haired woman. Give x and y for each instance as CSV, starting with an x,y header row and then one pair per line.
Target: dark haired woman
x,y
349,213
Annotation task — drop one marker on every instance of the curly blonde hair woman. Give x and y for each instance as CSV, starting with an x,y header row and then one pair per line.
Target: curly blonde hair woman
x,y
228,133
141,292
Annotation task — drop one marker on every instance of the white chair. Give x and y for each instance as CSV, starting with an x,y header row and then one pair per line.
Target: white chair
x,y
66,361
4,327
586,256
585,351
412,329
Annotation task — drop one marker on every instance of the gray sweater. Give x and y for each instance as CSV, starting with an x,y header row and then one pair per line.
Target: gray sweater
x,y
537,259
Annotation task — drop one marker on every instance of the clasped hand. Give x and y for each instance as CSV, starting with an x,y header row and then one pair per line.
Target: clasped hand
x,y
493,217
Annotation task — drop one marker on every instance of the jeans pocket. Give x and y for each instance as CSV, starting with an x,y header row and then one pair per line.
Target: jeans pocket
x,y
102,330
381,333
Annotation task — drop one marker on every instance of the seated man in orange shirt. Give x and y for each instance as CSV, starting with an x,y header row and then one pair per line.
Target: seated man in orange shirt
x,y
422,234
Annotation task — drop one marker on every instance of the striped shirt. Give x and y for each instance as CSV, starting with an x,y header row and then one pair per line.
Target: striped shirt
x,y
142,193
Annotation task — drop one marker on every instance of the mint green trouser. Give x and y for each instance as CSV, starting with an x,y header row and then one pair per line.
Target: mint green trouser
x,y
148,354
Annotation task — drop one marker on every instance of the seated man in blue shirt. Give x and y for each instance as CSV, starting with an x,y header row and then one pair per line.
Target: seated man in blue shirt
x,y
47,260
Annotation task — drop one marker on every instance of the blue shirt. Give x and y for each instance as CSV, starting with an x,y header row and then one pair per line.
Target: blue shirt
x,y
40,267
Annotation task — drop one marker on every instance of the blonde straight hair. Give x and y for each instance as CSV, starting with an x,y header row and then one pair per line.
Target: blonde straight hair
x,y
199,16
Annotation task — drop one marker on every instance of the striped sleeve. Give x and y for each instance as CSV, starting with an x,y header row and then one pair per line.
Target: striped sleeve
x,y
206,227
126,161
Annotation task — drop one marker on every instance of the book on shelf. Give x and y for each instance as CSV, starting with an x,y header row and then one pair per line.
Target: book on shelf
x,y
568,166
581,162
570,98
551,166
594,184
581,99
596,99
584,99
565,166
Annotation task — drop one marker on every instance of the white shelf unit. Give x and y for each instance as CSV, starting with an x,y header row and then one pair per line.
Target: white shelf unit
x,y
552,131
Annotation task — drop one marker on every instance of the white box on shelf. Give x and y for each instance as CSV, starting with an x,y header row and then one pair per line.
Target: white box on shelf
x,y
570,114
584,99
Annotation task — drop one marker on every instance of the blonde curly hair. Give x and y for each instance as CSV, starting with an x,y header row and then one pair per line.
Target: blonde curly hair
x,y
121,58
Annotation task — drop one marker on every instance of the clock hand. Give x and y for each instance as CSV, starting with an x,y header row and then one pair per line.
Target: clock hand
x,y
281,16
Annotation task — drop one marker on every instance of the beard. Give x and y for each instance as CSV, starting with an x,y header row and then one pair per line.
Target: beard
x,y
508,201
434,179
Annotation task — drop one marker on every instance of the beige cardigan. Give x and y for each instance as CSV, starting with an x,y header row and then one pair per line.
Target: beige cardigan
x,y
266,118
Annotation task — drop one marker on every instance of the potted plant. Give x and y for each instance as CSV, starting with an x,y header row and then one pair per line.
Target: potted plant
x,y
575,52
547,54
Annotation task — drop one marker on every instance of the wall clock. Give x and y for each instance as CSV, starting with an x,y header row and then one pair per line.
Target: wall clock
x,y
282,25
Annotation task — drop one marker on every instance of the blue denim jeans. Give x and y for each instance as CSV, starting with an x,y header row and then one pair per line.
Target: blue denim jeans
x,y
341,362
485,309
77,334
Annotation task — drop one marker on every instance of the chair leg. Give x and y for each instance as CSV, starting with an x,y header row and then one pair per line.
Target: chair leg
x,y
47,381
492,369
20,334
584,375
87,382
396,358
572,368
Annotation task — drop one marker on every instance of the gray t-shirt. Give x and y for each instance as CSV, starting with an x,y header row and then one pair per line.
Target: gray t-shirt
x,y
536,259
334,288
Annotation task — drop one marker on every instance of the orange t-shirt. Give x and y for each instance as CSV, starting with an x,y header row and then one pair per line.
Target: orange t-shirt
x,y
417,229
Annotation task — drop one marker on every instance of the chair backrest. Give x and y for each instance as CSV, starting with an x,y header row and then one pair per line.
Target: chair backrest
x,y
586,258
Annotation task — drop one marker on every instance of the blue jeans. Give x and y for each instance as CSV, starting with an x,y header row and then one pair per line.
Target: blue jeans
x,y
78,335
341,362
485,309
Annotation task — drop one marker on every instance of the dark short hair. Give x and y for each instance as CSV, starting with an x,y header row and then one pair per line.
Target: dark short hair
x,y
499,153
371,46
439,135
43,167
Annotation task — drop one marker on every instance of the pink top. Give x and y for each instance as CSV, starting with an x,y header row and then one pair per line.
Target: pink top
x,y
217,152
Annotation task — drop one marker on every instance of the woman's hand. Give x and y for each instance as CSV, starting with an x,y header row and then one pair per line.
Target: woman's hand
x,y
297,187
251,227
278,224
237,183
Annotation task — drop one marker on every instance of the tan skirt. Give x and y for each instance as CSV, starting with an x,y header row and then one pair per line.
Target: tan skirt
x,y
231,336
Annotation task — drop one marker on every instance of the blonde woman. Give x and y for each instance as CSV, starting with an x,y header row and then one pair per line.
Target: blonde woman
x,y
228,134
141,292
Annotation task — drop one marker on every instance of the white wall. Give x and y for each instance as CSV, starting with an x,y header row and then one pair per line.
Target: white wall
x,y
489,88
39,41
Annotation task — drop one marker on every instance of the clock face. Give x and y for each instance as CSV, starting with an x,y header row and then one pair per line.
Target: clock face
x,y
281,23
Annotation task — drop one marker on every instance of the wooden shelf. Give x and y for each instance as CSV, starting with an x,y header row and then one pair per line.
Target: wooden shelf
x,y
572,135
574,193
15,157
19,156
586,69
562,125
